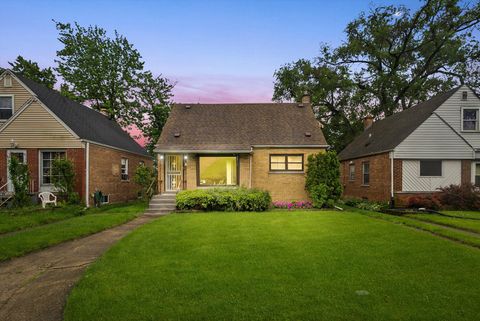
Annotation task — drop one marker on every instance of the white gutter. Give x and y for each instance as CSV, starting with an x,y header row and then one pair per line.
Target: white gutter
x,y
208,151
87,173
250,171
391,174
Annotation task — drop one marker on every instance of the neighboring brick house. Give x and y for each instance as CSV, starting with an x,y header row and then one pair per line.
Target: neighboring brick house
x,y
261,146
415,152
37,125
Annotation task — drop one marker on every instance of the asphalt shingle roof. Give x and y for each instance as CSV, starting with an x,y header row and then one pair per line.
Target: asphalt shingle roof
x,y
87,123
384,135
233,127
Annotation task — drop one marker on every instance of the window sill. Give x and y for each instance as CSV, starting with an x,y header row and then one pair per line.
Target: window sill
x,y
286,172
125,181
365,185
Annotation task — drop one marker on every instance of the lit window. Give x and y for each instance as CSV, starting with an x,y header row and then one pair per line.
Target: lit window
x,y
292,163
46,163
124,169
6,107
217,170
351,172
431,168
470,119
366,173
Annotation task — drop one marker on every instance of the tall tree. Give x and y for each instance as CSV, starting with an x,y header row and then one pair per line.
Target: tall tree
x,y
392,58
154,97
101,71
31,70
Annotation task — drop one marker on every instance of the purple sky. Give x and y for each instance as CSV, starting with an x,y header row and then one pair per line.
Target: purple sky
x,y
216,51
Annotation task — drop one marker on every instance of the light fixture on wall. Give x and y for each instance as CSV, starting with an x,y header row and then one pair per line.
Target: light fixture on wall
x,y
161,157
13,144
185,157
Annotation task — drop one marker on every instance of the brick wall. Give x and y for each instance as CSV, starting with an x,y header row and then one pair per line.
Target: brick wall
x,y
466,171
379,186
282,186
77,156
105,173
32,162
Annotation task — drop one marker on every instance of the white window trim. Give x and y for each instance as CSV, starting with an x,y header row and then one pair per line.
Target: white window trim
x,y
40,164
350,173
126,169
363,173
478,120
13,105
419,168
108,199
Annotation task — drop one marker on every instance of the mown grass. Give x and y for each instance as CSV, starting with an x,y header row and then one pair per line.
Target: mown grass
x,y
18,219
299,265
466,214
462,223
42,236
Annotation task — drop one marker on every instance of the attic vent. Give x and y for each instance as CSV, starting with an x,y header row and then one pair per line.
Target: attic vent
x,y
300,105
188,107
7,81
308,134
176,134
464,95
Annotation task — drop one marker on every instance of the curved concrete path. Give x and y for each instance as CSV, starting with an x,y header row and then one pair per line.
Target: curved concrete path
x,y
36,286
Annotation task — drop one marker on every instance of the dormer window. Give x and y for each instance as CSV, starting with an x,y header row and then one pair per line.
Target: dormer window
x,y
464,95
470,119
6,107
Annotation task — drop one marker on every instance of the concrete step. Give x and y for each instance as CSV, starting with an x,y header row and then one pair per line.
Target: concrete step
x,y
156,212
163,202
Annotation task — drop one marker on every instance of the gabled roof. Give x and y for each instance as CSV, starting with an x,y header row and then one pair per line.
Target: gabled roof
x,y
384,135
238,127
85,122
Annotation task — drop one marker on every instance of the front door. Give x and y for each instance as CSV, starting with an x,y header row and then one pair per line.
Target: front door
x,y
173,172
21,155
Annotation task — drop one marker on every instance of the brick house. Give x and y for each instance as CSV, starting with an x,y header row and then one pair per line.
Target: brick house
x,y
261,146
37,125
415,152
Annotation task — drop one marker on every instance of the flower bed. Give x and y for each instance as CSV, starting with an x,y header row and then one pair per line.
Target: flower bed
x,y
292,205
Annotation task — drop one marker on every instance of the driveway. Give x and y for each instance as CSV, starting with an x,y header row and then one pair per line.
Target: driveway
x,y
36,286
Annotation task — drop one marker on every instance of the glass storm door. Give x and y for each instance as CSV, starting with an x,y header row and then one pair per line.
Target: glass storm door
x,y
21,155
173,172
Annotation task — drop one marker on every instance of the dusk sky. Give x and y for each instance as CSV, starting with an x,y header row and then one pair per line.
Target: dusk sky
x,y
216,51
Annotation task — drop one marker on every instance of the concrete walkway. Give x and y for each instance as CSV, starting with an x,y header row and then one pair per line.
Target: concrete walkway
x,y
35,286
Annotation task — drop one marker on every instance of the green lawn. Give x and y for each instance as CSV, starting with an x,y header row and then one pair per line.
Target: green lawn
x,y
466,214
467,224
41,236
310,265
18,219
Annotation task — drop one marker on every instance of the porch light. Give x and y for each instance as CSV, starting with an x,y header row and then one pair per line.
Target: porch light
x,y
13,144
185,157
161,157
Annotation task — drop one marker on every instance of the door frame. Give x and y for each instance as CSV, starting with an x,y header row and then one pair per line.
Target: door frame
x,y
178,172
9,152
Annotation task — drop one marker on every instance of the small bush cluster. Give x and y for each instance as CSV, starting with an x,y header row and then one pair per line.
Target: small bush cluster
x,y
144,176
429,202
459,197
20,177
292,205
365,204
63,178
323,179
216,199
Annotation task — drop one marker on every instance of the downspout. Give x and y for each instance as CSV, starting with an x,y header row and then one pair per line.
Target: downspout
x,y
250,168
392,194
87,173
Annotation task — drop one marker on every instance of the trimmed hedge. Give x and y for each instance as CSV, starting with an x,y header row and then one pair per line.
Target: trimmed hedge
x,y
225,199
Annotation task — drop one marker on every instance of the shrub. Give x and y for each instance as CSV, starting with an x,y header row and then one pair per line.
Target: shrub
x,y
144,176
216,199
429,202
293,204
20,177
461,197
63,178
365,204
323,179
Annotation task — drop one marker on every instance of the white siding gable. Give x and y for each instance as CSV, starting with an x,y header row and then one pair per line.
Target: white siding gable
x,y
413,182
434,139
451,112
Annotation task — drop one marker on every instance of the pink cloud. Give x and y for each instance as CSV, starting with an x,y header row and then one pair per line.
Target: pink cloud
x,y
222,89
216,89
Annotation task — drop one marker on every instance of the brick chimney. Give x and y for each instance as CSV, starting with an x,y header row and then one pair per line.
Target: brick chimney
x,y
306,99
367,122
